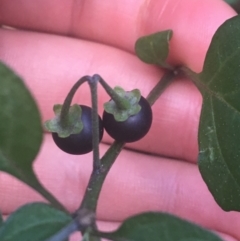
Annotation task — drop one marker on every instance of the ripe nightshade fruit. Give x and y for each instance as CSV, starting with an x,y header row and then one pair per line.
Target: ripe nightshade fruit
x,y
81,143
134,128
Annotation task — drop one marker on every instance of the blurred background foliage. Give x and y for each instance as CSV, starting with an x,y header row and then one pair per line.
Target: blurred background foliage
x,y
235,4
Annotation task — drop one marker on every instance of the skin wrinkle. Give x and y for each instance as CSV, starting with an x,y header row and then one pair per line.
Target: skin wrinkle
x,y
100,9
174,8
147,11
75,3
162,10
140,23
77,11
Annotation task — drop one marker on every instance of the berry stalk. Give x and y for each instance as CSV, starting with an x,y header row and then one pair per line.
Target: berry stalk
x,y
121,103
68,100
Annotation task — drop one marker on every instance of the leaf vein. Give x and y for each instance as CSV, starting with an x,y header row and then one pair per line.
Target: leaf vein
x,y
218,145
222,65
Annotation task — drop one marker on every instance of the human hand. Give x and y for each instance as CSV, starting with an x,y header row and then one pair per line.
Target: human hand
x,y
158,173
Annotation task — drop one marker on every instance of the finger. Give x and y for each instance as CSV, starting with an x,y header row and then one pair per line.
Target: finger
x,y
50,65
98,21
136,183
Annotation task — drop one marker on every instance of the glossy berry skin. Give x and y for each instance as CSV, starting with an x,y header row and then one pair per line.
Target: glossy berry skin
x,y
81,143
134,128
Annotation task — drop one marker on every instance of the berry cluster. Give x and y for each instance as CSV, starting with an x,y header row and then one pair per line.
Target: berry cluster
x,y
130,130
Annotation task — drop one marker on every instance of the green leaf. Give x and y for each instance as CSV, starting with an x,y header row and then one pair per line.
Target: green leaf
x,y
235,4
154,48
21,131
219,130
159,227
1,219
36,221
231,2
20,126
86,237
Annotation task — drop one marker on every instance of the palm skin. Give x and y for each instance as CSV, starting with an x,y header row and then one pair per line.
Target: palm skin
x,y
59,41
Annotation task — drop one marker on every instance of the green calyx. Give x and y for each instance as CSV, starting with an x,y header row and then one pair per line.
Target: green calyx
x,y
132,97
72,122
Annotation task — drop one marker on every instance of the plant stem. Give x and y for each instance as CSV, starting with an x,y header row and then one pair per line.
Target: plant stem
x,y
98,175
121,103
95,124
193,76
97,178
161,86
68,100
65,232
